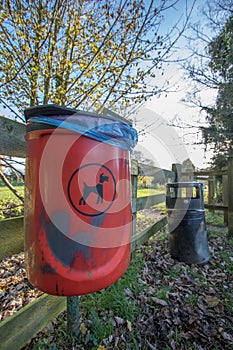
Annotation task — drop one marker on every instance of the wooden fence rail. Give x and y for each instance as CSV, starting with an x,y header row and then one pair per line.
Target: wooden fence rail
x,y
21,327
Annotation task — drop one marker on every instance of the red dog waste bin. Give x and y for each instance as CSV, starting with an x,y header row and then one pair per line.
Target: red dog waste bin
x,y
77,199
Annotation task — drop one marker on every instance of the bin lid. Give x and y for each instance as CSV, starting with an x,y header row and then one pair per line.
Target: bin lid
x,y
108,127
55,110
47,110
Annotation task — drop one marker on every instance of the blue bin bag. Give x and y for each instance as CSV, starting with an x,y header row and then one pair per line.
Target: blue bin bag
x,y
113,132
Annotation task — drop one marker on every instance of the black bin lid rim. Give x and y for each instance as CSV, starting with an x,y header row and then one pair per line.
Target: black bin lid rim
x,y
54,110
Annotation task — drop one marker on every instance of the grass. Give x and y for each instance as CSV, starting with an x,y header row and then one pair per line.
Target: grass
x,y
10,205
229,261
144,192
192,299
229,302
115,300
115,297
225,256
162,293
7,194
215,218
98,313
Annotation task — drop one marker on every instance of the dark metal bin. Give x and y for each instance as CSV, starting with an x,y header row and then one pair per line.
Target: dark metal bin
x,y
186,222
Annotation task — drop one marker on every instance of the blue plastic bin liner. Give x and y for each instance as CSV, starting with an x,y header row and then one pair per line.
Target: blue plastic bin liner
x,y
113,132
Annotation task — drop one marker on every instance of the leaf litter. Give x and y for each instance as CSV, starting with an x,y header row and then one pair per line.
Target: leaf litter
x,y
180,306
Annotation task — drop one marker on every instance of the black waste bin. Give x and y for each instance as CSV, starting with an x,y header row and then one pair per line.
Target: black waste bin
x,y
186,222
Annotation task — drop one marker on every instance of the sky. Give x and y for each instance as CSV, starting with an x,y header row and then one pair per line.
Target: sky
x,y
175,143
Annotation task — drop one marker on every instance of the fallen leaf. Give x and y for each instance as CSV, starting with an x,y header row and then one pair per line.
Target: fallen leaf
x,y
83,328
159,301
212,301
119,320
129,325
101,347
227,336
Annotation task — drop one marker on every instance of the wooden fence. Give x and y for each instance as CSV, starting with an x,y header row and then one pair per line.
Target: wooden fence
x,y
21,327
211,178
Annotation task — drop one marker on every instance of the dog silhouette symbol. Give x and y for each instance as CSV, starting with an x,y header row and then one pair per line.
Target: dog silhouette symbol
x,y
97,189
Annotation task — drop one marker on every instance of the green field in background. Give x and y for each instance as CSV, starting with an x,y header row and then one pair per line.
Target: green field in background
x,y
144,192
7,194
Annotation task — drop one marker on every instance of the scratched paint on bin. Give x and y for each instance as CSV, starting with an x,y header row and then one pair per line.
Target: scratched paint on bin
x,y
65,249
97,221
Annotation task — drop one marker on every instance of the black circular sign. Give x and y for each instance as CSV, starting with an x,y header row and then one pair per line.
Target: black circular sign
x,y
92,189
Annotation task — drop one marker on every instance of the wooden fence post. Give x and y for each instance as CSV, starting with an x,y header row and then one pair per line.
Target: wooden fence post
x,y
230,197
177,168
225,196
211,191
134,186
